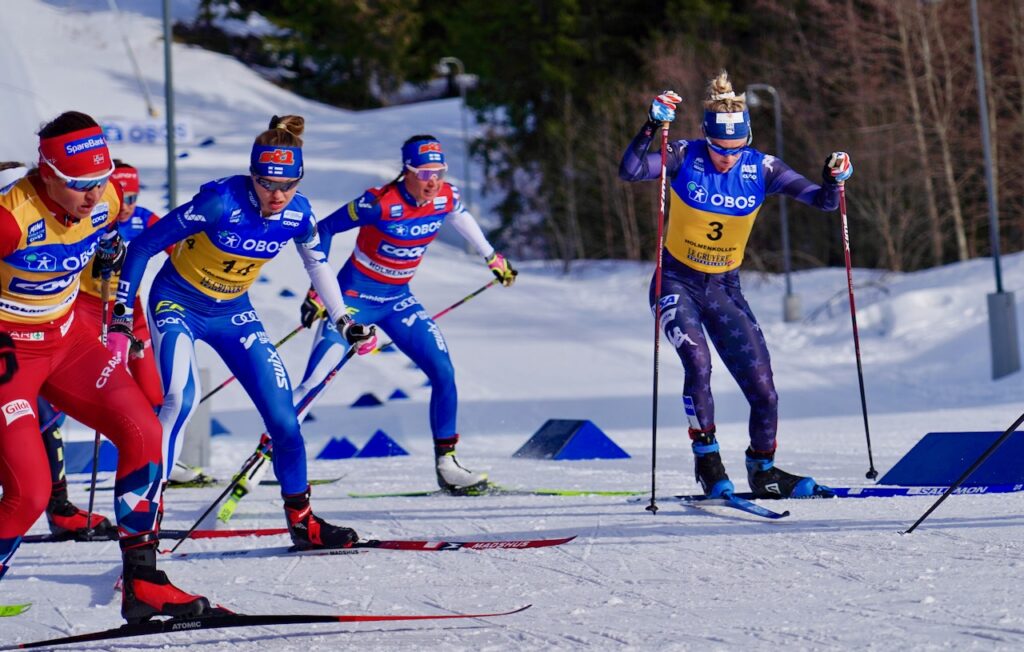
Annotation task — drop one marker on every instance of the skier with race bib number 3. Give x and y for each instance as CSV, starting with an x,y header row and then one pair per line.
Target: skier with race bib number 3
x,y
717,186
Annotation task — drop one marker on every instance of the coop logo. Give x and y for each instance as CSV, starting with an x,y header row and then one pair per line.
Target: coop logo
x,y
100,213
425,229
292,218
228,239
696,193
17,409
243,318
402,252
261,246
38,288
749,172
36,232
728,201
84,145
108,370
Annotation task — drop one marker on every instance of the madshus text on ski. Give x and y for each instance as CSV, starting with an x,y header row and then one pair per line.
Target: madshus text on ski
x,y
74,249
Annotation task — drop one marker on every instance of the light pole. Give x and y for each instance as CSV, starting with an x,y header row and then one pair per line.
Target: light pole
x,y
172,171
1002,309
791,302
448,64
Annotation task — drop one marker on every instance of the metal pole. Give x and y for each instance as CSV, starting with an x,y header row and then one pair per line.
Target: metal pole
x,y
1002,313
150,109
790,303
467,186
172,174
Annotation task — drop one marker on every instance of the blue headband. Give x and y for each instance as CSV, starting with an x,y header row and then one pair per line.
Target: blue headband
x,y
421,152
727,126
276,161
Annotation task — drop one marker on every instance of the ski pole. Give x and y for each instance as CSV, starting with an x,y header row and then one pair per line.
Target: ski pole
x,y
266,446
872,473
105,298
227,382
974,467
653,506
262,449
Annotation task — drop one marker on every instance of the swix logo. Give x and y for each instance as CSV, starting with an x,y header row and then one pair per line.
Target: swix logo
x,y
433,146
106,372
402,252
280,375
16,409
438,338
278,156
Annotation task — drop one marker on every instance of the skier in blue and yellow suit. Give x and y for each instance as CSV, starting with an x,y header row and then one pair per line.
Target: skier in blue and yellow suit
x,y
718,184
226,233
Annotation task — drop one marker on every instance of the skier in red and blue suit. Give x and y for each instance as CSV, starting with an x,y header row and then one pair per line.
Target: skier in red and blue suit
x,y
717,186
397,222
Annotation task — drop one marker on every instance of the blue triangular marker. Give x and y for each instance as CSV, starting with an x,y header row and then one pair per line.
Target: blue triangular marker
x,y
380,445
570,439
263,279
309,417
217,428
286,293
337,449
367,400
397,395
206,142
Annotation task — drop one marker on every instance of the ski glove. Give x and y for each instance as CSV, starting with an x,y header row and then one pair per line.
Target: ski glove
x,y
663,108
110,252
361,336
312,308
121,342
838,167
502,269
9,361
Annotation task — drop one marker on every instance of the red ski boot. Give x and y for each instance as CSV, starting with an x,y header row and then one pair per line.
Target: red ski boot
x,y
68,521
309,530
147,592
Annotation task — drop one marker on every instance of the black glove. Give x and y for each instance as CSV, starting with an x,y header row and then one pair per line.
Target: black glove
x,y
312,308
7,358
360,336
110,252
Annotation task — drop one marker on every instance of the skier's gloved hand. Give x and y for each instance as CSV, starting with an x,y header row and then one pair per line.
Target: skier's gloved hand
x,y
120,342
663,108
312,308
502,269
110,252
361,336
7,358
838,167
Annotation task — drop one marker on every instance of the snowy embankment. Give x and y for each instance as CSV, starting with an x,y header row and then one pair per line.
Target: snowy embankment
x,y
834,575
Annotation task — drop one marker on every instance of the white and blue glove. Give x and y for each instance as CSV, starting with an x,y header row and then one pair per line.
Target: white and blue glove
x,y
663,108
838,167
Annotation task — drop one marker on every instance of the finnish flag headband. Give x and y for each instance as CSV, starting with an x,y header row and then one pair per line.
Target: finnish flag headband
x,y
727,126
276,161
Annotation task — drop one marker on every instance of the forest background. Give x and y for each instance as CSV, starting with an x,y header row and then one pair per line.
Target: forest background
x,y
562,86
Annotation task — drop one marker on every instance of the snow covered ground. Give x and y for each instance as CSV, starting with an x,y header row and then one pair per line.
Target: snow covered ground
x,y
834,575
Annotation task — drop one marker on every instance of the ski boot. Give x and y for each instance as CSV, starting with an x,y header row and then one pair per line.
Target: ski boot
x,y
452,477
769,481
309,530
707,464
184,476
69,522
146,591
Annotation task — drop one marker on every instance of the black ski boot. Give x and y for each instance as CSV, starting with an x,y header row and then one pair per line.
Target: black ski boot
x,y
769,481
309,530
707,464
147,592
69,522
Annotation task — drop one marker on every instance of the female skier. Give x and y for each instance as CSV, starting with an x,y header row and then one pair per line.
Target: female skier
x,y
51,224
226,233
396,223
718,184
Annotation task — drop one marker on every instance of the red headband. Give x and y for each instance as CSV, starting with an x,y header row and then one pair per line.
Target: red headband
x,y
77,154
128,178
